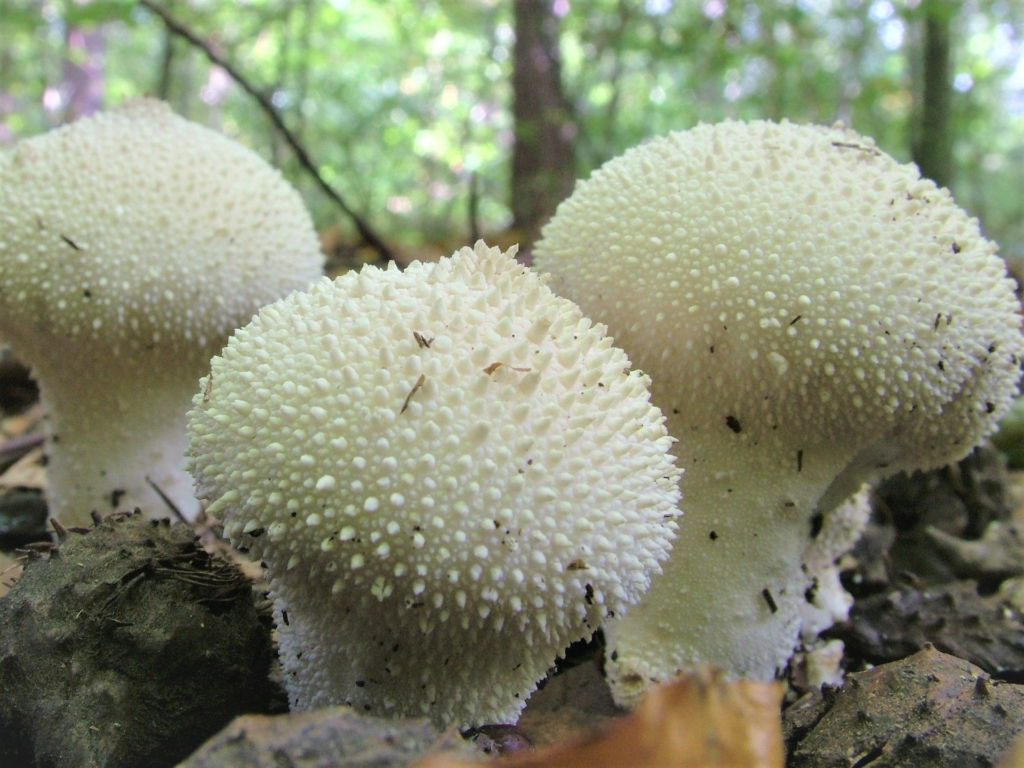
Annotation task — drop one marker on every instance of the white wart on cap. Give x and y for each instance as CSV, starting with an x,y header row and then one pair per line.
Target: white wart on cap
x,y
451,475
812,314
131,244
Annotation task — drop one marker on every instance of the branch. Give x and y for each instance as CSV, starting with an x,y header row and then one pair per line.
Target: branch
x,y
17,447
364,229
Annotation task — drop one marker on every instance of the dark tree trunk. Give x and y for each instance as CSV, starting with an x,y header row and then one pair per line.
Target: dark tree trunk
x,y
933,150
543,158
82,75
163,85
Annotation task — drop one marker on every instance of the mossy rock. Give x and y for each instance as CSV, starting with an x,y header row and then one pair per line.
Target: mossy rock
x,y
127,645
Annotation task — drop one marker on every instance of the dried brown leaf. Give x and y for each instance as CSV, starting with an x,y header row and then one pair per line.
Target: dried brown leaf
x,y
698,721
10,570
1015,757
573,703
26,472
21,423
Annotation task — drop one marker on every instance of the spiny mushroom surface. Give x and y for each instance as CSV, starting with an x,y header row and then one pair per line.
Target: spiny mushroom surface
x,y
812,314
451,475
131,244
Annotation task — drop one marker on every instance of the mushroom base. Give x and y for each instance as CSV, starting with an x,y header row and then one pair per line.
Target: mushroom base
x,y
111,450
388,660
751,570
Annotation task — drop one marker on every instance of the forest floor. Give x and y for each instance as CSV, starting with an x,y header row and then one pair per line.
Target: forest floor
x,y
934,651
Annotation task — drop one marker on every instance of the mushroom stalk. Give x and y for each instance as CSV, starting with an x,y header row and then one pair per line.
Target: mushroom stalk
x,y
743,507
108,452
813,315
132,244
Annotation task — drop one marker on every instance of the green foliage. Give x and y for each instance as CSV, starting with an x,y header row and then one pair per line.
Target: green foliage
x,y
809,62
400,103
1010,437
97,12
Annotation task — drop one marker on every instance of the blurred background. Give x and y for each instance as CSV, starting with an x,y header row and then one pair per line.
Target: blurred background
x,y
438,121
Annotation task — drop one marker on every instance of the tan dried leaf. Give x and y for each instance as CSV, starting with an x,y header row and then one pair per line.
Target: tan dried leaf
x,y
698,721
26,472
21,423
10,570
1015,757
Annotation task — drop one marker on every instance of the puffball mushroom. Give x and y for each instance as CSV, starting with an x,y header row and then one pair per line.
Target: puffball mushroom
x,y
812,314
450,474
131,244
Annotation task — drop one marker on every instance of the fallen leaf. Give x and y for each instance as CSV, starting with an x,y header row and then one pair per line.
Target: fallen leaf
x,y
26,472
10,570
983,629
698,721
573,703
21,423
997,555
1015,757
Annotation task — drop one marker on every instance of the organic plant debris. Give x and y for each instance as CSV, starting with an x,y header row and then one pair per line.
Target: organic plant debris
x,y
699,719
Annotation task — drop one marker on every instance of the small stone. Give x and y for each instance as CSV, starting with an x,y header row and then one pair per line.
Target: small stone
x,y
334,736
930,710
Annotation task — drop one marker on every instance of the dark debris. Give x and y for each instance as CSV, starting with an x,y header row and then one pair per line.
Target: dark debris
x,y
985,630
930,710
127,645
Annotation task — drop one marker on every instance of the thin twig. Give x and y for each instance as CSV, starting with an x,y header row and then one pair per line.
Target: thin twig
x,y
364,229
165,498
20,445
473,209
58,529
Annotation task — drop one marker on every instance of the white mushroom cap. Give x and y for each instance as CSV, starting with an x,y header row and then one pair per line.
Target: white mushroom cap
x,y
811,313
451,475
132,244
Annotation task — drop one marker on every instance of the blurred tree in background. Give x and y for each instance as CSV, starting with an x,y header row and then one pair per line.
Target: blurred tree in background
x,y
411,109
544,142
